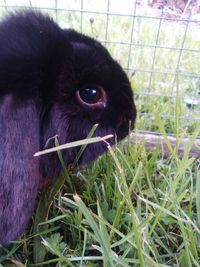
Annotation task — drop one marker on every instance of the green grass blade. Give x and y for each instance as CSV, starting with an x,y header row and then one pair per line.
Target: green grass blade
x,y
74,144
83,147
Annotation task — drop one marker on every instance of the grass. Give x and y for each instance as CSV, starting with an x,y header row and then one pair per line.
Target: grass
x,y
131,207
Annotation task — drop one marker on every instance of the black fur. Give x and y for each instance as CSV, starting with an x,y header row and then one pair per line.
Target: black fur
x,y
41,68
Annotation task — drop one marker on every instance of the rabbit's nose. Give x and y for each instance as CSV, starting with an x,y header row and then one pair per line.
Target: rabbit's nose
x,y
125,123
128,118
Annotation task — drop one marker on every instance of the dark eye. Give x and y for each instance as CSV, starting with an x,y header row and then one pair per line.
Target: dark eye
x,y
94,96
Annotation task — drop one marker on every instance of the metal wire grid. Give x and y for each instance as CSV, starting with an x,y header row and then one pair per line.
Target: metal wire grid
x,y
86,10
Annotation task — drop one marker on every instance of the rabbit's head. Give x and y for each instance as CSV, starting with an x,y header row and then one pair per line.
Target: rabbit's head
x,y
91,88
52,82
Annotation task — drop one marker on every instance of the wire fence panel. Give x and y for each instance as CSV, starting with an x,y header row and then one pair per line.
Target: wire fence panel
x,y
156,42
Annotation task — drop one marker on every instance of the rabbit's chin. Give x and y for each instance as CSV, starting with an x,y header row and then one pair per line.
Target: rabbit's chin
x,y
94,151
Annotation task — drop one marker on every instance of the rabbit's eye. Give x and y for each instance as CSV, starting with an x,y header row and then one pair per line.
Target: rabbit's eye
x,y
92,97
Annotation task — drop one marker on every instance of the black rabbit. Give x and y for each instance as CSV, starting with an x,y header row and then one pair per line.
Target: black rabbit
x,y
52,82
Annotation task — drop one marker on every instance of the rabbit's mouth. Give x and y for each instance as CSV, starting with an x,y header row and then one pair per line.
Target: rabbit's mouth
x,y
122,125
93,151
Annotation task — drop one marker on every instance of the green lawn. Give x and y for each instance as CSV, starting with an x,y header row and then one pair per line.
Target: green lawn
x,y
130,208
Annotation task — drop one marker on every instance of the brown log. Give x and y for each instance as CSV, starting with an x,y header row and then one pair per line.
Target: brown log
x,y
155,141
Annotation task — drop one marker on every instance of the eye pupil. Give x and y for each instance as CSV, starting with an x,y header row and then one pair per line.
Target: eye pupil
x,y
90,95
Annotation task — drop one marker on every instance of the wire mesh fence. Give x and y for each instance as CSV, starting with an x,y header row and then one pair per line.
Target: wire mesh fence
x,y
156,42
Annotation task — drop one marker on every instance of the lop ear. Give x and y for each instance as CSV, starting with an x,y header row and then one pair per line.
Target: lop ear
x,y
19,175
